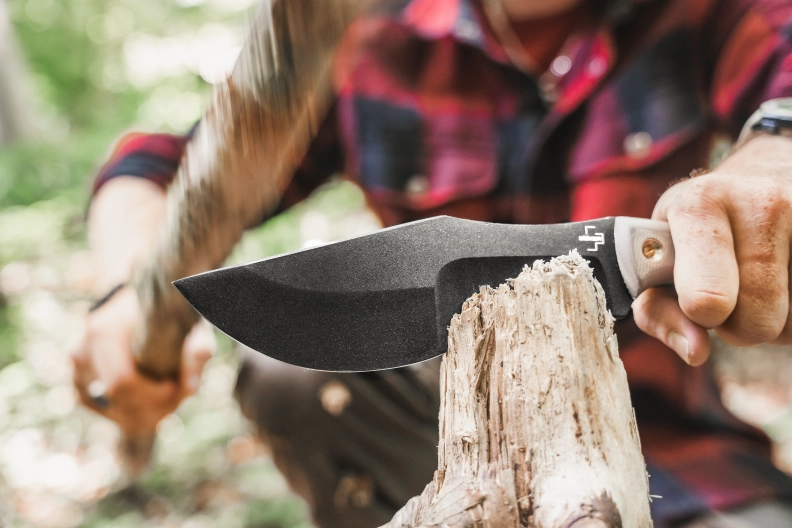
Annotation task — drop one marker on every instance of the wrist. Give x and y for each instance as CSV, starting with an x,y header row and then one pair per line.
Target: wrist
x,y
773,117
101,301
125,222
761,154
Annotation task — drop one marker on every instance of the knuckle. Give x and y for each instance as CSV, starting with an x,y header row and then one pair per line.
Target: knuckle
x,y
700,200
761,332
766,197
751,324
707,307
750,333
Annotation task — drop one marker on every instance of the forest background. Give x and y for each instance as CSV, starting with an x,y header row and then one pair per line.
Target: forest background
x,y
74,76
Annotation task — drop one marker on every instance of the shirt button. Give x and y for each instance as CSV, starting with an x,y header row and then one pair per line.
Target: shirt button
x,y
418,185
467,30
561,65
548,88
638,145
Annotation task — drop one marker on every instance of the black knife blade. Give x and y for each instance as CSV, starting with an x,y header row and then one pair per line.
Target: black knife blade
x,y
385,300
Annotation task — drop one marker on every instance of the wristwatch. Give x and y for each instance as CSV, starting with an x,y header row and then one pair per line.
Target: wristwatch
x,y
773,117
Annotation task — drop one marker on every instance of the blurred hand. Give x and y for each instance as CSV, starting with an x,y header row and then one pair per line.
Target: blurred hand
x,y
732,230
104,358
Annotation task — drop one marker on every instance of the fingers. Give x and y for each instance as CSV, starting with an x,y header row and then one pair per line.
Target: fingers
x,y
705,273
199,347
108,381
658,313
83,375
762,251
731,233
786,334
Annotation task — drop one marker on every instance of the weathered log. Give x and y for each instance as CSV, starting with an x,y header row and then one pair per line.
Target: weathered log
x,y
536,424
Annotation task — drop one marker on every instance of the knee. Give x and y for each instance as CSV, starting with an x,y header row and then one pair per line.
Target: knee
x,y
277,396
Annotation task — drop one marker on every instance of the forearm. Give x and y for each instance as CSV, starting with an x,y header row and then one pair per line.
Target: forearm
x,y
127,217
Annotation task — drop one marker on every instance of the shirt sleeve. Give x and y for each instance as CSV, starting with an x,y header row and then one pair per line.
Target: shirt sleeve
x,y
156,158
751,54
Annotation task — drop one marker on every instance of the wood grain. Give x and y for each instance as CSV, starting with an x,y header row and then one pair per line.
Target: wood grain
x,y
536,425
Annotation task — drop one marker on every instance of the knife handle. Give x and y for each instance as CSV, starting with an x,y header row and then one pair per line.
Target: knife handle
x,y
645,252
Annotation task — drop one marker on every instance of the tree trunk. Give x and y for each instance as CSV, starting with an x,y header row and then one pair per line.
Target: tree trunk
x,y
536,425
16,114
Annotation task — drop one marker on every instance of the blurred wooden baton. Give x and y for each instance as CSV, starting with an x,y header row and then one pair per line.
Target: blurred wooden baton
x,y
235,169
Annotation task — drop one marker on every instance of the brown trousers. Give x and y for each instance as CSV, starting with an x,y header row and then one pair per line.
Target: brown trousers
x,y
355,446
358,446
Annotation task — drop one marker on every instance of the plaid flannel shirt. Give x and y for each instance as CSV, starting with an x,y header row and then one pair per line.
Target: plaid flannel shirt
x,y
431,118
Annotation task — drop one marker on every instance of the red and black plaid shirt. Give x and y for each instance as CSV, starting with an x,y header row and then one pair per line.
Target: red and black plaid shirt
x,y
431,118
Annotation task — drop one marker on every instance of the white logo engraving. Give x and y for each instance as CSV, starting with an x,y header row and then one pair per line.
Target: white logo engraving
x,y
597,238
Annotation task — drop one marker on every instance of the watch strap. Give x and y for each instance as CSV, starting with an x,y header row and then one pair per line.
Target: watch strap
x,y
773,117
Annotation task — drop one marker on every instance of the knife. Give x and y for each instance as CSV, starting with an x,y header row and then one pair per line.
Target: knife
x,y
385,300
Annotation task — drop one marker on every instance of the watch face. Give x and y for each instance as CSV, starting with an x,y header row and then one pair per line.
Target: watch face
x,y
778,108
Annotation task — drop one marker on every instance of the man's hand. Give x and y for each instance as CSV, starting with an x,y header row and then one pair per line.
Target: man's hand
x,y
104,357
732,230
126,219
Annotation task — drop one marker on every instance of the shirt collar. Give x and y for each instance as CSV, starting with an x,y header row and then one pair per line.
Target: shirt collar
x,y
436,19
461,19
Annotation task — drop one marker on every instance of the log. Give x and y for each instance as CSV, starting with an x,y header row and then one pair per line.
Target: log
x,y
536,424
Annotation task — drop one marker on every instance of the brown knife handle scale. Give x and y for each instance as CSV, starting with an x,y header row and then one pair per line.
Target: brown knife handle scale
x,y
255,133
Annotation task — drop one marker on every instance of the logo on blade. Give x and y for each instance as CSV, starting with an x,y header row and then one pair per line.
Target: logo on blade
x,y
597,238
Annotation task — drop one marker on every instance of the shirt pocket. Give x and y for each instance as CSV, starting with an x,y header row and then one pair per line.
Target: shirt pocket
x,y
430,159
461,156
650,108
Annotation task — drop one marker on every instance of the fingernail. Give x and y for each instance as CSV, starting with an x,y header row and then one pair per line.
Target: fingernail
x,y
194,382
680,345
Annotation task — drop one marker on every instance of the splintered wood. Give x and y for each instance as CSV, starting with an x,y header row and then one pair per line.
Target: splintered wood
x,y
536,425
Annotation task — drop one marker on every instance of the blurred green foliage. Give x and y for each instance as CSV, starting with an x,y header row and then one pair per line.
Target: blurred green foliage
x,y
83,96
78,56
98,68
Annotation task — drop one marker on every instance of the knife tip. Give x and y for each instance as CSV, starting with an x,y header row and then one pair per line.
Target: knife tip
x,y
183,285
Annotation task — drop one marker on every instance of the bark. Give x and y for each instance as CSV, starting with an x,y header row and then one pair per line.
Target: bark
x,y
536,425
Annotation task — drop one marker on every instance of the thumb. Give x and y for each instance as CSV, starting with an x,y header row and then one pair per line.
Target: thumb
x,y
199,347
658,314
